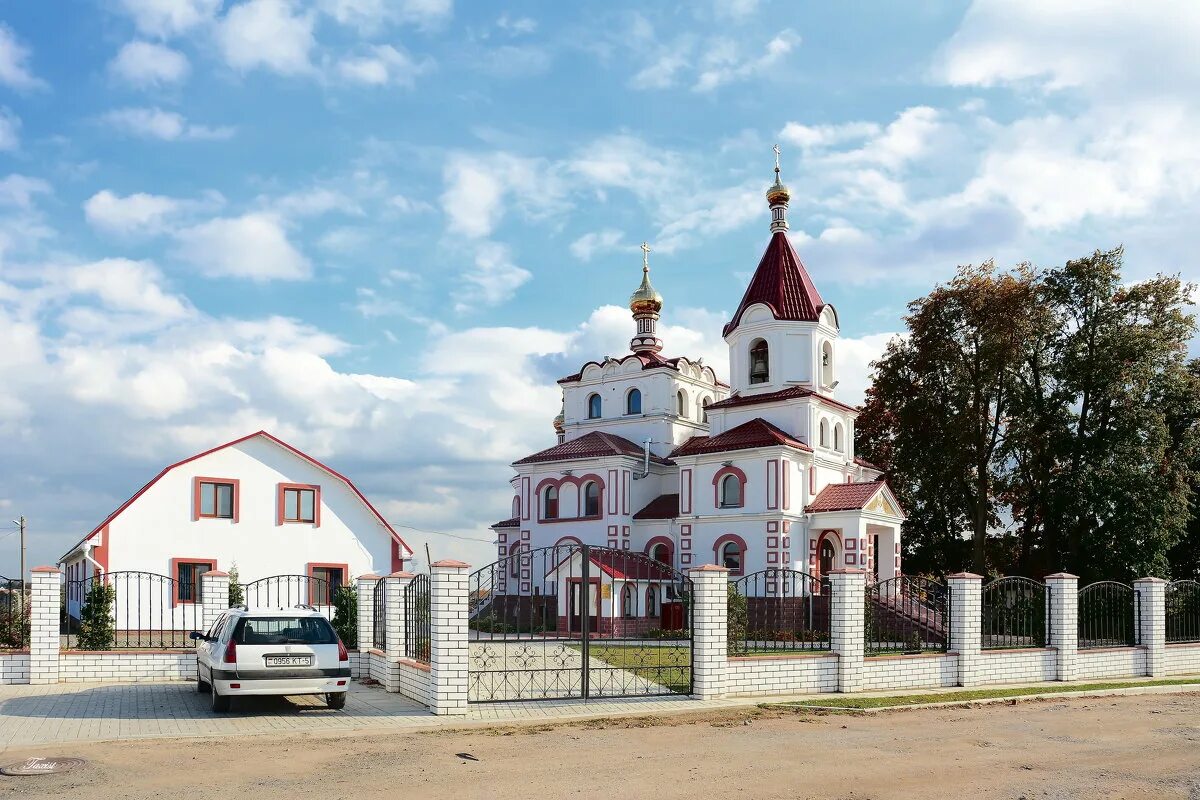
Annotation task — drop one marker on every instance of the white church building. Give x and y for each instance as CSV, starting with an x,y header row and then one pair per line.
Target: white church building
x,y
657,455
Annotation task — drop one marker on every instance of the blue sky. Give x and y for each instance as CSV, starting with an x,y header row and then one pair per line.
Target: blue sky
x,y
381,228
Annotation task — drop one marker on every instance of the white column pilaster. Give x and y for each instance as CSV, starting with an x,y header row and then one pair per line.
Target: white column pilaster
x,y
847,625
710,625
1151,604
966,609
449,644
45,591
1063,612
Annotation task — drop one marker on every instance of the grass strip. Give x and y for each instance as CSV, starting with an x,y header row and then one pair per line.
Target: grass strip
x,y
967,695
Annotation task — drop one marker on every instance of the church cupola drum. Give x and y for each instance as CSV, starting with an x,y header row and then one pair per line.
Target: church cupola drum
x,y
646,303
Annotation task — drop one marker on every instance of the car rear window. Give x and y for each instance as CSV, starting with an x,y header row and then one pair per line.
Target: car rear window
x,y
284,630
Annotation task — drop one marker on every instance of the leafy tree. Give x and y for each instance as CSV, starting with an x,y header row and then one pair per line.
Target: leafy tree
x,y
345,615
237,596
96,628
1183,417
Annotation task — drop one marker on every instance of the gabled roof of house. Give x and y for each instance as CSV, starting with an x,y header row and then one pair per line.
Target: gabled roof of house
x,y
782,284
622,566
847,496
591,445
649,361
665,506
791,393
274,440
755,433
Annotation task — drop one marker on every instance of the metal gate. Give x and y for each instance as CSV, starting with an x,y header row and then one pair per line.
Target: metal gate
x,y
578,622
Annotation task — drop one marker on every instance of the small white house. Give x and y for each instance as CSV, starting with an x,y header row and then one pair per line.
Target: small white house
x,y
257,503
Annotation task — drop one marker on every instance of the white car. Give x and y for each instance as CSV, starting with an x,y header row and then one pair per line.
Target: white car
x,y
281,651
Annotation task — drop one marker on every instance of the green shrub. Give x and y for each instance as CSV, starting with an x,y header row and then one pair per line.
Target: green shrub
x,y
96,629
345,615
237,597
738,620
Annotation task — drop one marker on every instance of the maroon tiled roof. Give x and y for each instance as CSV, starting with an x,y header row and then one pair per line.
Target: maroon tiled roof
x,y
665,506
755,433
782,284
649,361
511,522
844,496
590,445
790,393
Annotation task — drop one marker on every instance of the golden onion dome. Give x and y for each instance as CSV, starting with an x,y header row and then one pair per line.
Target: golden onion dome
x,y
560,421
646,298
777,192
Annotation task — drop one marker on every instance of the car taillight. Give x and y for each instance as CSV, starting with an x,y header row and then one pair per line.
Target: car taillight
x,y
231,652
342,654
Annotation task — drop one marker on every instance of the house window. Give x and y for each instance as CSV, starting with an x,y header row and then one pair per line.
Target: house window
x,y
652,602
299,503
187,579
593,406
628,601
681,404
731,492
760,370
326,580
550,503
633,402
591,499
216,500
730,557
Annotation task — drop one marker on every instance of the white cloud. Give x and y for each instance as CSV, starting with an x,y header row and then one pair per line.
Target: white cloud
x,y
812,137
253,246
169,18
516,26
267,34
313,202
854,357
735,9
371,15
722,64
591,244
135,213
480,187
148,65
14,67
19,190
381,65
10,130
127,286
154,123
494,278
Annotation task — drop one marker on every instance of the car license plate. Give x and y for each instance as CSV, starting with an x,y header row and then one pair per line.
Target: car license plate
x,y
289,661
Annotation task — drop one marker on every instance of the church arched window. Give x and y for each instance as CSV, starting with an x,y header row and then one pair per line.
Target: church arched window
x,y
760,367
652,601
827,364
628,601
633,402
704,410
593,407
731,492
550,503
824,437
681,404
591,499
838,444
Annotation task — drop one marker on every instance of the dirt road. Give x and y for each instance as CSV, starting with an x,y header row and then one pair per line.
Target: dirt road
x,y
1121,747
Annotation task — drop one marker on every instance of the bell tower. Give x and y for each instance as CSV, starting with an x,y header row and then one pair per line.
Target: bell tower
x,y
783,334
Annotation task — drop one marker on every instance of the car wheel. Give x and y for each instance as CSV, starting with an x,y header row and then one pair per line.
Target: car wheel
x,y
201,686
220,702
335,699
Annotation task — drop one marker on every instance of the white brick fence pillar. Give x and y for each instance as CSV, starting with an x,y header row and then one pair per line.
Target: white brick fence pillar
x,y
214,594
366,617
397,582
449,647
848,588
1150,598
44,624
1062,609
966,608
710,626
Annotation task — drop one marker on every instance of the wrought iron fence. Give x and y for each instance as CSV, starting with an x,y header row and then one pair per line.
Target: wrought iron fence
x,y
379,615
1107,615
14,614
130,610
778,610
417,619
289,591
907,615
1013,614
1183,611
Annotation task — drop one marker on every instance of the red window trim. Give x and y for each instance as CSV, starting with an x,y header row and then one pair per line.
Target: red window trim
x,y
176,600
237,497
721,473
310,571
578,481
279,520
657,540
721,542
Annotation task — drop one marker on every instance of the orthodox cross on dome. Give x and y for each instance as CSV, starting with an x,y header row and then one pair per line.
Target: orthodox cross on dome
x,y
778,196
645,303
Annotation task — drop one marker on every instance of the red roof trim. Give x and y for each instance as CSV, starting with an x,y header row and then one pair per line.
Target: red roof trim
x,y
848,497
649,361
781,284
791,393
395,536
596,444
755,433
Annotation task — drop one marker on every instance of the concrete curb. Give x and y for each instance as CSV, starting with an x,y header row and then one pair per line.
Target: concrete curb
x,y
1182,688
